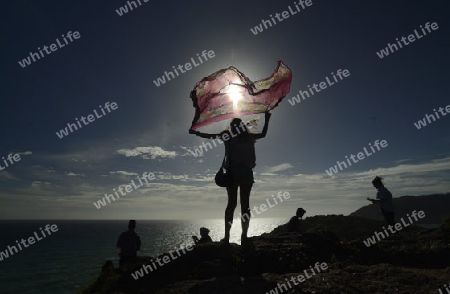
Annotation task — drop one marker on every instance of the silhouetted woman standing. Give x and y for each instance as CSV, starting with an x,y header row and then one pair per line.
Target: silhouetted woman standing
x,y
240,159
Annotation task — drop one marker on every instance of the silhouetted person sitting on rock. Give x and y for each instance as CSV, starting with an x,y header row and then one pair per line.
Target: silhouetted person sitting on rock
x,y
384,200
129,242
294,224
205,238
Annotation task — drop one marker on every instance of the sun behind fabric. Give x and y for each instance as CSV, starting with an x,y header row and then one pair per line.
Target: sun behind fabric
x,y
228,93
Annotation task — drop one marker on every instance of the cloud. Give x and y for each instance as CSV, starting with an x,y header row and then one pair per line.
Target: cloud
x,y
268,174
125,173
190,151
164,176
278,168
171,176
7,175
346,191
147,152
180,177
71,174
40,184
41,168
194,190
35,183
434,165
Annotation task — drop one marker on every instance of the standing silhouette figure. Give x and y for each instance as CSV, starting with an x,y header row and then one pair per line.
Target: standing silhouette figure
x,y
240,159
129,242
384,200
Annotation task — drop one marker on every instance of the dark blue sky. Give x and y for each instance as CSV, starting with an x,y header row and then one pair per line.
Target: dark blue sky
x,y
117,58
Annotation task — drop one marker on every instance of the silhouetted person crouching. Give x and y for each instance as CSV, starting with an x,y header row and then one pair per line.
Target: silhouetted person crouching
x,y
205,238
294,224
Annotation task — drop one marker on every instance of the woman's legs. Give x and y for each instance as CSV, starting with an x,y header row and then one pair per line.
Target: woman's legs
x,y
243,180
245,183
389,217
229,211
245,190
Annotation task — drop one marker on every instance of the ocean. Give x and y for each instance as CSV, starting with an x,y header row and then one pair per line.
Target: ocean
x,y
70,258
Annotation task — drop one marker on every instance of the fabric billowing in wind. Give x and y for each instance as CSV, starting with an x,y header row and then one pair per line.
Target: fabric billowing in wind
x,y
228,93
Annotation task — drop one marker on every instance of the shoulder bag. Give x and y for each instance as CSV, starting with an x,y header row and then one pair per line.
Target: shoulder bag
x,y
224,179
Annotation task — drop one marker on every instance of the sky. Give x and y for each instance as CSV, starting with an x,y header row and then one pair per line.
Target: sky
x,y
117,58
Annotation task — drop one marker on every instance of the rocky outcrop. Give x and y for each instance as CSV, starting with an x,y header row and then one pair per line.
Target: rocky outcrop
x,y
414,261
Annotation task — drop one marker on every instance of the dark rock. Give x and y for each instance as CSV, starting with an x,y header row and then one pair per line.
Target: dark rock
x,y
414,261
